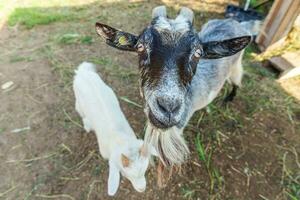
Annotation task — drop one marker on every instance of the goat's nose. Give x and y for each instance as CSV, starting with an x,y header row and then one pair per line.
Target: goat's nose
x,y
168,106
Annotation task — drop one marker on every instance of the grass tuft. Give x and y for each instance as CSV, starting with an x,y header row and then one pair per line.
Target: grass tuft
x,y
188,193
30,17
200,149
74,38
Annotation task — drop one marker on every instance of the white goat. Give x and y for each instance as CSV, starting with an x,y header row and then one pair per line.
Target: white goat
x,y
99,108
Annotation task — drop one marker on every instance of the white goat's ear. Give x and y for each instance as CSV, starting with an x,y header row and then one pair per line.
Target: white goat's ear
x,y
116,38
125,160
113,179
224,48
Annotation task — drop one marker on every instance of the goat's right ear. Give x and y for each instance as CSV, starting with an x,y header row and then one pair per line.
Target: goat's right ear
x,y
116,38
113,179
224,48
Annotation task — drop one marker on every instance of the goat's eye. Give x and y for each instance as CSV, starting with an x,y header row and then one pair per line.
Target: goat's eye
x,y
140,48
197,54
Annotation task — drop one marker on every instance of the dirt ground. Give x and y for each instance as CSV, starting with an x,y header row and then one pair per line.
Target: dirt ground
x,y
251,145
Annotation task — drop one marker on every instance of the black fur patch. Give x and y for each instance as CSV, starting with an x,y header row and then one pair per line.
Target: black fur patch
x,y
167,54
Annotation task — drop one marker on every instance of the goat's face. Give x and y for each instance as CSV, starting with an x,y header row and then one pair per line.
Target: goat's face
x,y
169,51
134,164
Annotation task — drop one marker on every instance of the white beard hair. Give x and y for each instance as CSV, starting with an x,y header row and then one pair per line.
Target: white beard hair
x,y
169,144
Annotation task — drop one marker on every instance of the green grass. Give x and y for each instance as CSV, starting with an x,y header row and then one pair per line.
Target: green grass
x,y
63,68
200,149
216,180
30,17
75,38
187,193
14,59
2,130
113,68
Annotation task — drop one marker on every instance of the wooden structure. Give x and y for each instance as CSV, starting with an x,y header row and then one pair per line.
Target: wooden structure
x,y
275,29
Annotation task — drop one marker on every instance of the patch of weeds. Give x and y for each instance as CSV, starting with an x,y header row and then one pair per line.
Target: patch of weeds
x,y
2,130
15,59
187,193
205,156
291,177
114,69
86,39
249,51
293,190
63,67
200,149
102,61
30,17
259,70
74,38
96,171
219,115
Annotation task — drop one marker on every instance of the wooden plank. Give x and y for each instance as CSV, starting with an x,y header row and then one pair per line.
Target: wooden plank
x,y
286,62
280,63
267,23
287,21
278,22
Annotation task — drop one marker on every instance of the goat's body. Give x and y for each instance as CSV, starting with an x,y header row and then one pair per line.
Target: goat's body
x,y
211,74
99,108
210,77
100,111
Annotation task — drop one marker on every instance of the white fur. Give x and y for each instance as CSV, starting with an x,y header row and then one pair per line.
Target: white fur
x,y
99,108
170,144
177,26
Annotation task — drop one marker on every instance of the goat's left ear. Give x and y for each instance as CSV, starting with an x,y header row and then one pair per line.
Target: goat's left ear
x,y
113,178
224,48
116,38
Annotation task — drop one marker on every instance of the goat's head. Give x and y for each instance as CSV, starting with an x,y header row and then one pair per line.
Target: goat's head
x,y
169,51
132,162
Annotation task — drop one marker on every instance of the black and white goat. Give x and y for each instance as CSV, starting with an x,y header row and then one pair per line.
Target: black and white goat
x,y
181,71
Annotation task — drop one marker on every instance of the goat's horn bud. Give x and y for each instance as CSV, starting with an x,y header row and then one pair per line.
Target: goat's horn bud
x,y
159,11
187,13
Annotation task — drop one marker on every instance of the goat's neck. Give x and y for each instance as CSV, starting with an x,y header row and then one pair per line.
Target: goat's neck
x,y
122,138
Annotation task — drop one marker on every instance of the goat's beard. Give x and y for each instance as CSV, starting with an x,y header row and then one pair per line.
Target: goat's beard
x,y
169,144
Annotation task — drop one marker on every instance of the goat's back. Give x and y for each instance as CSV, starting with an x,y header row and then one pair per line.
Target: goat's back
x,y
98,103
222,29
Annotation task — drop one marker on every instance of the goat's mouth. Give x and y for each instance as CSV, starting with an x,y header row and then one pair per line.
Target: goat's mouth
x,y
157,123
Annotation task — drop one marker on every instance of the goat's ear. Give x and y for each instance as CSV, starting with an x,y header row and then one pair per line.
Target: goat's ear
x,y
220,49
116,38
125,160
113,179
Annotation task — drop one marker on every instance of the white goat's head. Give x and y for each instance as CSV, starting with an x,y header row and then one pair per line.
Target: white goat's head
x,y
169,51
132,162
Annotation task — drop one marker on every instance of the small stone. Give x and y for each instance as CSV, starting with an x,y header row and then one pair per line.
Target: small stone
x,y
7,85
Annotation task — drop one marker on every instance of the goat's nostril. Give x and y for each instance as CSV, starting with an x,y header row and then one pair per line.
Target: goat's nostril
x,y
176,109
168,107
161,106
